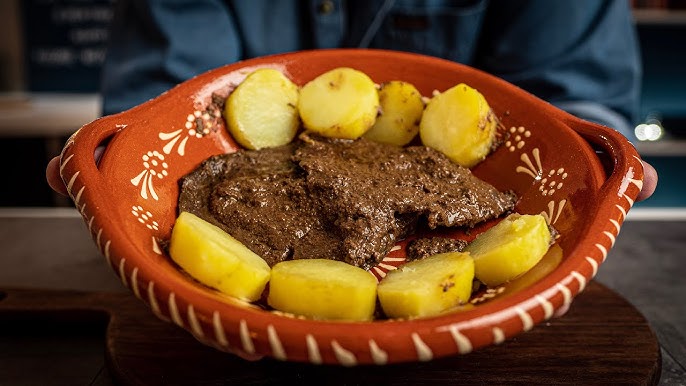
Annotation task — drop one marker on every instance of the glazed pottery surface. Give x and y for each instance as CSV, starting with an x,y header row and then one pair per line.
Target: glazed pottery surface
x,y
581,176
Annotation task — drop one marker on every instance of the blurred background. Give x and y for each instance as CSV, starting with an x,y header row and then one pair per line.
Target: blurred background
x,y
51,52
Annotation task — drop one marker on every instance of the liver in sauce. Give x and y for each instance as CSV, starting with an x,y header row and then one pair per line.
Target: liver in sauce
x,y
349,200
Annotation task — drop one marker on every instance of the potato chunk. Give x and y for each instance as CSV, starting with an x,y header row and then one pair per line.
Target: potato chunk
x,y
341,103
510,248
459,123
545,266
262,111
214,258
401,109
427,287
323,289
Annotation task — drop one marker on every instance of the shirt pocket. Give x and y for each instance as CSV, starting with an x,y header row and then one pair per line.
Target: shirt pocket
x,y
448,29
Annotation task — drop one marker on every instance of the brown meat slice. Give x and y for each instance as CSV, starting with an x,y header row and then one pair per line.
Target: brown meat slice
x,y
336,199
366,187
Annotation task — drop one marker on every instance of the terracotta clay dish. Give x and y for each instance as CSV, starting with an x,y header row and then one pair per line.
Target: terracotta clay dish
x,y
581,176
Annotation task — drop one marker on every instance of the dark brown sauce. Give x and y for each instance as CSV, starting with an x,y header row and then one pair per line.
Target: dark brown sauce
x,y
421,248
336,199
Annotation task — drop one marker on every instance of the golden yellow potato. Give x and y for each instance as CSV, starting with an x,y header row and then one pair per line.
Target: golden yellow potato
x,y
263,110
340,103
427,287
214,258
401,110
460,124
323,289
510,248
546,265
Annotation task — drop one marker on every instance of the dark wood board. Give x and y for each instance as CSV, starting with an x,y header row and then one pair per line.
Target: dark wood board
x,y
602,340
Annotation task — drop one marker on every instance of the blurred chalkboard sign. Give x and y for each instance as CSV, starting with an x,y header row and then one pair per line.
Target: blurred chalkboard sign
x,y
65,43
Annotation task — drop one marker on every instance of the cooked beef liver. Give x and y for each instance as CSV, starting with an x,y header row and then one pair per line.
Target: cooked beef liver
x,y
336,199
420,248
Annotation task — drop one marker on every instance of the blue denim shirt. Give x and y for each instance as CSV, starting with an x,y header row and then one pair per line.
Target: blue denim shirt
x,y
581,55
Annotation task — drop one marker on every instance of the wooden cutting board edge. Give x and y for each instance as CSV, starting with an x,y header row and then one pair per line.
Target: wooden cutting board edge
x,y
603,339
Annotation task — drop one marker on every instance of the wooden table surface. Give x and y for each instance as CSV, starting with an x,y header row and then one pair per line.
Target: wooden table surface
x,y
51,249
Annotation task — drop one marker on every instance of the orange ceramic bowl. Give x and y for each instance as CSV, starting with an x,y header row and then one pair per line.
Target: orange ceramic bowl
x,y
581,176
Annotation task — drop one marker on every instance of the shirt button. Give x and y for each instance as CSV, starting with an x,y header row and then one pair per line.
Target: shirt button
x,y
326,7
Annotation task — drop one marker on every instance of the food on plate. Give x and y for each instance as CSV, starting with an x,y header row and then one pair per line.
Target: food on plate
x,y
401,109
510,248
459,123
427,287
296,222
350,200
427,246
547,264
262,111
216,259
323,289
340,103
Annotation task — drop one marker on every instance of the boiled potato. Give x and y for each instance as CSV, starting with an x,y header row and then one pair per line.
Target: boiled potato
x,y
323,289
341,103
262,111
510,248
401,109
216,259
546,265
427,287
459,123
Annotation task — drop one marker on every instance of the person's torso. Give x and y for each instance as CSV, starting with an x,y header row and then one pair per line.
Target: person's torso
x,y
442,28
